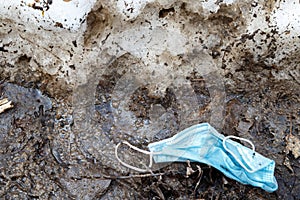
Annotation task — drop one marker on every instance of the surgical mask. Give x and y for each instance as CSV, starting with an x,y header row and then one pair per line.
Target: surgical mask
x,y
202,143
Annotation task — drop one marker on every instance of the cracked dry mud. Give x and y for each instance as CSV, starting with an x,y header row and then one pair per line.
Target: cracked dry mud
x,y
143,78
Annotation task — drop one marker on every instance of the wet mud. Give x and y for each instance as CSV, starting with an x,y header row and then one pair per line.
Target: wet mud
x,y
34,164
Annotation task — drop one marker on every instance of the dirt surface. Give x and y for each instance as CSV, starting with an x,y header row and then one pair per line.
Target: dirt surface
x,y
143,78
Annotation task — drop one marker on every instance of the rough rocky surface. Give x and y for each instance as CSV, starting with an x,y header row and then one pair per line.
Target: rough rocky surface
x,y
141,71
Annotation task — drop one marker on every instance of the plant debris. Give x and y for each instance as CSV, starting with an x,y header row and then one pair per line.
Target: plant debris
x,y
5,104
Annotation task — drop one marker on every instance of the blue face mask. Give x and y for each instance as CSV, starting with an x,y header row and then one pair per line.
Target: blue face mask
x,y
202,143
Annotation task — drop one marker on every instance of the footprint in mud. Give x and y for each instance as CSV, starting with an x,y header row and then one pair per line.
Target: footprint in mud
x,y
139,104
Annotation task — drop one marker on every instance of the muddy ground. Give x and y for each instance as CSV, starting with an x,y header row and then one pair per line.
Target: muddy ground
x,y
36,161
76,95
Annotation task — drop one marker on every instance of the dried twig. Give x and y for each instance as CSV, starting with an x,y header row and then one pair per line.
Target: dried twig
x,y
5,104
118,177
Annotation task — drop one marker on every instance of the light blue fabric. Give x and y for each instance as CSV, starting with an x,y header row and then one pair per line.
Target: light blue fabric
x,y
202,143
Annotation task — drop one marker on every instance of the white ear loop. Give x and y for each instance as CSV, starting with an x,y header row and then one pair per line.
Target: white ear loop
x,y
243,139
139,150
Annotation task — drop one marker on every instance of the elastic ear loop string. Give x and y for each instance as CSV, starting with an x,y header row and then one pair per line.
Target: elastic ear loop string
x,y
243,139
139,150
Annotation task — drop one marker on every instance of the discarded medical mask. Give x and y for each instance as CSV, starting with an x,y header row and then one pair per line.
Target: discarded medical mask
x,y
202,143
